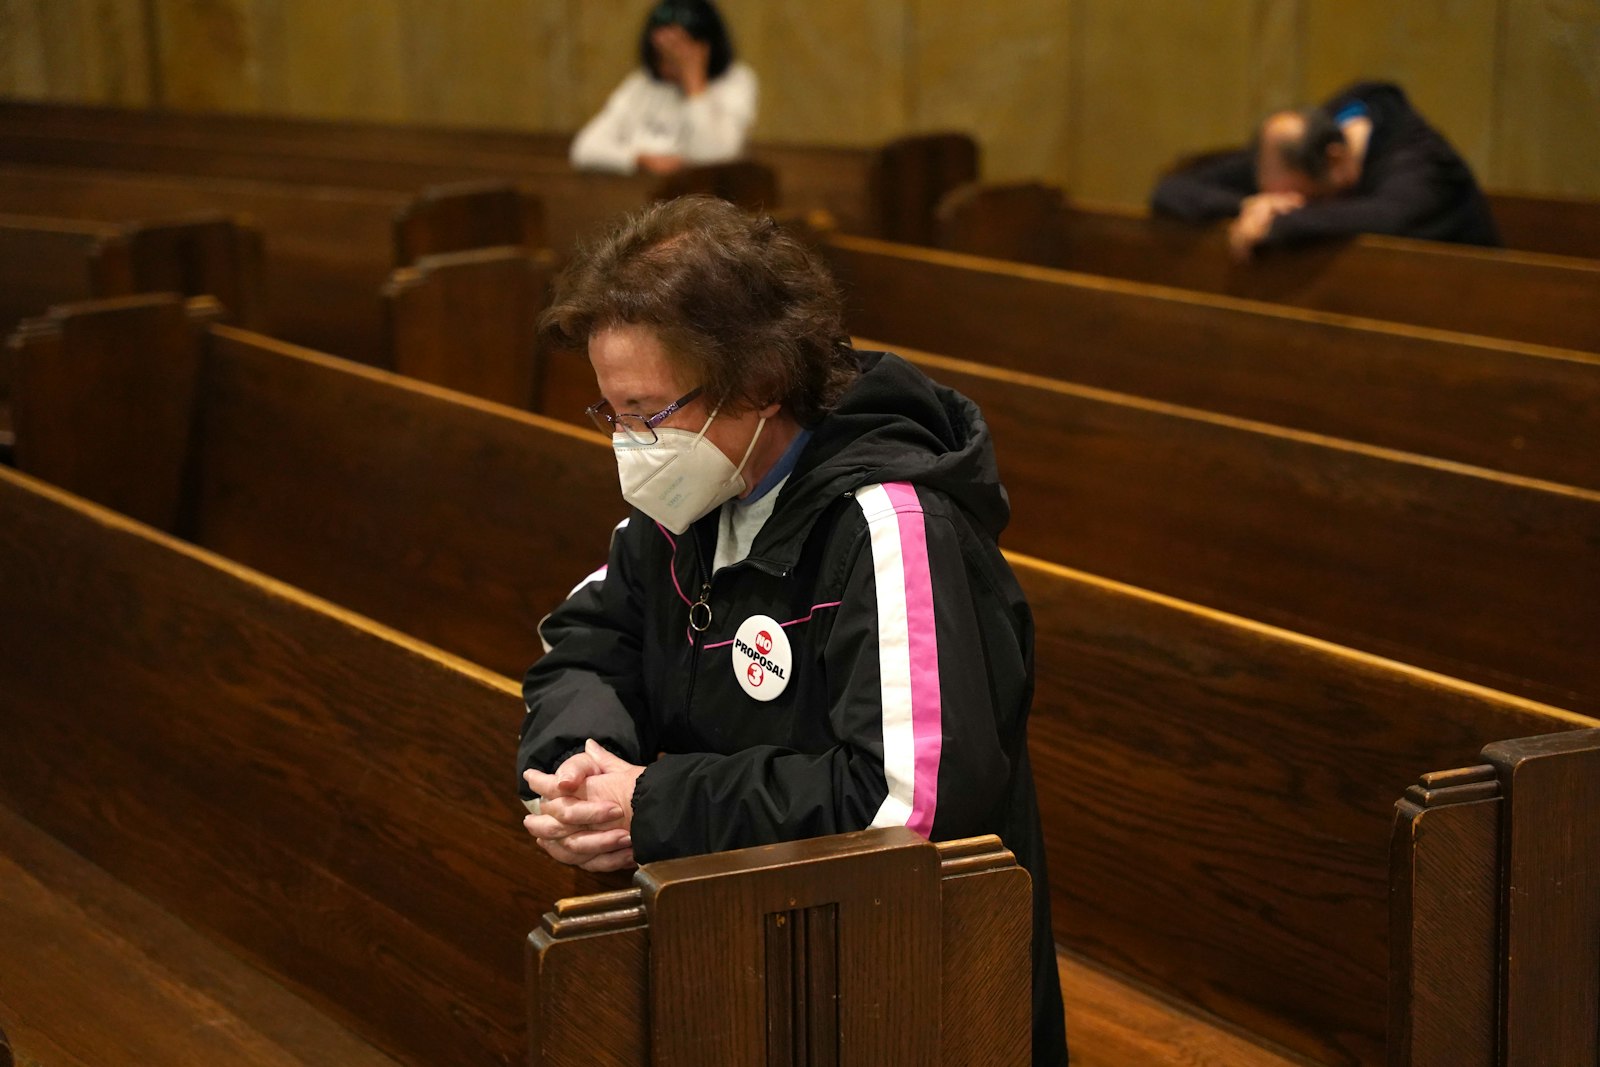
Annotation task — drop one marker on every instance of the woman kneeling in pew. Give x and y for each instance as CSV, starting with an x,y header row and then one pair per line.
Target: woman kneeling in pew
x,y
805,625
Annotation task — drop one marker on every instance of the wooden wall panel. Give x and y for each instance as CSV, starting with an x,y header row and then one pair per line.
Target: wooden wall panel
x,y
1000,70
210,54
95,51
1095,95
833,71
490,68
341,60
1547,100
597,49
1441,51
1155,79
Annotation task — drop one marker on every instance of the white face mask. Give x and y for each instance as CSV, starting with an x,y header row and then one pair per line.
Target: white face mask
x,y
681,477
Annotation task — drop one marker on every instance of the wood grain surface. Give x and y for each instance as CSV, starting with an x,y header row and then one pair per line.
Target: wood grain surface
x,y
1506,405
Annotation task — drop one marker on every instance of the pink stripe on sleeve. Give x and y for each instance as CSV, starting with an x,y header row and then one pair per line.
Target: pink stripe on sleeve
x,y
927,709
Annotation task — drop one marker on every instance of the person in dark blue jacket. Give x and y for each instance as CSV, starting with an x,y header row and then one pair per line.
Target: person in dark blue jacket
x,y
805,625
1363,162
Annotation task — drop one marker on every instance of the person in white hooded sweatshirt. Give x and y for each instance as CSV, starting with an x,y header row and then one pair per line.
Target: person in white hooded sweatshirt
x,y
689,103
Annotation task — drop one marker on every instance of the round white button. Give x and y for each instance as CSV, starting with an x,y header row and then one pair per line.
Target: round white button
x,y
762,658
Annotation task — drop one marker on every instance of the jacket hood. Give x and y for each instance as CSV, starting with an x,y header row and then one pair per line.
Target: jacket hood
x,y
894,425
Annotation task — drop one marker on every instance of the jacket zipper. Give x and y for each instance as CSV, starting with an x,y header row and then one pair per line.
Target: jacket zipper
x,y
698,611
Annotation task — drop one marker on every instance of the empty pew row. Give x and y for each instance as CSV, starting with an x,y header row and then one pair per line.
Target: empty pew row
x,y
319,795
576,200
45,261
1478,575
1250,878
214,433
1520,296
1509,406
889,191
327,250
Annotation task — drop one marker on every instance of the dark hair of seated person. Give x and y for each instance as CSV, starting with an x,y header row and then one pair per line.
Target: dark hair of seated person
x,y
701,20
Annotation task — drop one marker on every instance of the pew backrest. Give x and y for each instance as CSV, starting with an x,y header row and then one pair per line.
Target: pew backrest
x,y
912,174
467,215
327,250
1520,296
1484,576
942,977
425,509
45,261
468,321
1496,909
1561,226
1508,406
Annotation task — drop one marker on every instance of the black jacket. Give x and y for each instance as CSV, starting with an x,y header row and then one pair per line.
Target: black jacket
x,y
910,673
1413,184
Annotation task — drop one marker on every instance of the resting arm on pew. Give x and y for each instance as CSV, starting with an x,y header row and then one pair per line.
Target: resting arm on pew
x,y
1211,189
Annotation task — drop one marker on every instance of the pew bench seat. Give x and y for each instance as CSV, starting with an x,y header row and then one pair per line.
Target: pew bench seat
x,y
97,974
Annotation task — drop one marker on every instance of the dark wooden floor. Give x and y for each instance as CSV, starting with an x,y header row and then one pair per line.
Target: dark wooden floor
x,y
145,987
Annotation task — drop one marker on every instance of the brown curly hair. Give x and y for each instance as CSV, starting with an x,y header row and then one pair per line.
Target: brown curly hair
x,y
740,306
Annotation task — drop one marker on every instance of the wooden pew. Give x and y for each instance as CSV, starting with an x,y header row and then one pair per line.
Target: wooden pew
x,y
1217,796
1217,793
328,250
467,215
1520,296
322,797
887,191
1562,226
216,435
1496,909
46,261
51,261
468,321
1487,577
1508,406
348,846
786,954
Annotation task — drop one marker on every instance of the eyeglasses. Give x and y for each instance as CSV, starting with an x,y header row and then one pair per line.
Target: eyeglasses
x,y
640,429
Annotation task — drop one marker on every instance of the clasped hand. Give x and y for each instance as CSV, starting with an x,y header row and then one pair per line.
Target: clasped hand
x,y
1256,215
586,809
